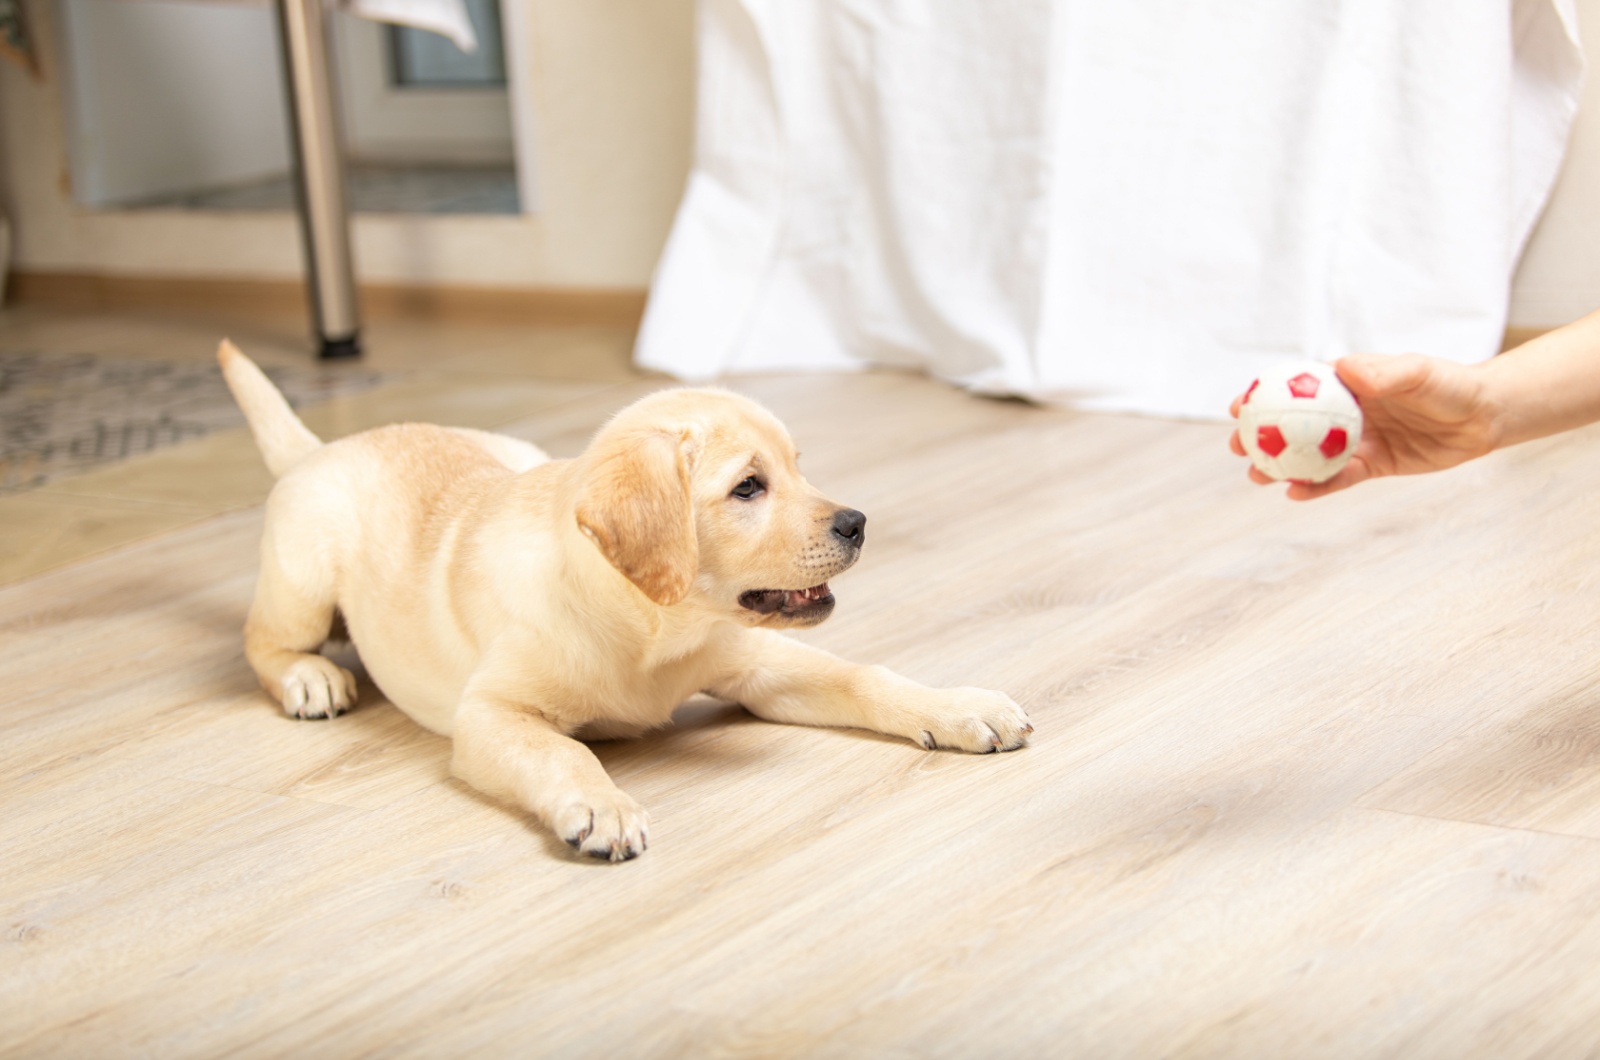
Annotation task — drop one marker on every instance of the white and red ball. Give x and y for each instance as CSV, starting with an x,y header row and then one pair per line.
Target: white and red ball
x,y
1298,422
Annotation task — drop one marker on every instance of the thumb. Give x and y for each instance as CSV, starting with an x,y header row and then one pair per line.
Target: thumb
x,y
1380,374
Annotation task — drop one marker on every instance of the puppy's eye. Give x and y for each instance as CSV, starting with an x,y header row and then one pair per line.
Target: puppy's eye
x,y
750,487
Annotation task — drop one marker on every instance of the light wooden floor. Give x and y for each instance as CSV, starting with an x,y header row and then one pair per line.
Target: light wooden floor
x,y
1316,781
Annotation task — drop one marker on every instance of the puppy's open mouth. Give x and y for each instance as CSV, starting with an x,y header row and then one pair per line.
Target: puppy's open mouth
x,y
787,601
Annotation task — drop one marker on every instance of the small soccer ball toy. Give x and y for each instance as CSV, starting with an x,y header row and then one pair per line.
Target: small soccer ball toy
x,y
1298,422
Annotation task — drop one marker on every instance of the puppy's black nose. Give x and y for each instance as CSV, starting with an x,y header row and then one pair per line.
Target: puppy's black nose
x,y
850,526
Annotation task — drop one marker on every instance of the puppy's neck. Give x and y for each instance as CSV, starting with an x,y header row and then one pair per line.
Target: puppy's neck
x,y
537,513
617,609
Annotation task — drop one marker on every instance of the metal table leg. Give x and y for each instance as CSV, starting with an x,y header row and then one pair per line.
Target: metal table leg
x,y
319,177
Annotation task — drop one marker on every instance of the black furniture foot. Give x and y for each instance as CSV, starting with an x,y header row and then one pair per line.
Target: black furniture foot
x,y
339,349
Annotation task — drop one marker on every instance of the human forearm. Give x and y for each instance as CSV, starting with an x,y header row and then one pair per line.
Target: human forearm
x,y
1547,385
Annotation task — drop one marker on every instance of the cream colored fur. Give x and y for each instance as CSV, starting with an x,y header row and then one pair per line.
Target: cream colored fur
x,y
511,601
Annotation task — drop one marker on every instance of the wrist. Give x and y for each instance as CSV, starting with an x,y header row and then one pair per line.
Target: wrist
x,y
1503,407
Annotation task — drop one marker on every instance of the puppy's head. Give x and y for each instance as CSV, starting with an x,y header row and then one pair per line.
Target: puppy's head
x,y
697,495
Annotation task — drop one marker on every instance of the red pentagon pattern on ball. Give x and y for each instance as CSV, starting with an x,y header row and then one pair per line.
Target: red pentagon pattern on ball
x,y
1334,443
1304,385
1270,439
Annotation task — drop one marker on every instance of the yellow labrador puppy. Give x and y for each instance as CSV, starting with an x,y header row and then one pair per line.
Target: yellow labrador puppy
x,y
509,601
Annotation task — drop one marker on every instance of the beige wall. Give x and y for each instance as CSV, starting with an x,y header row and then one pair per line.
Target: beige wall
x,y
1559,279
611,83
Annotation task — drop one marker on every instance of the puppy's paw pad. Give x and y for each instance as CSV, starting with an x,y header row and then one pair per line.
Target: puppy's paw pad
x,y
315,687
609,828
976,720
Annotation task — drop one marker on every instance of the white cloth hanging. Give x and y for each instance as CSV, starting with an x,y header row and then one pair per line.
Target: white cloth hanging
x,y
448,18
1121,206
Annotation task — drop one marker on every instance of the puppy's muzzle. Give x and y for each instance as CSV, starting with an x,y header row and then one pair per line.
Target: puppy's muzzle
x,y
810,606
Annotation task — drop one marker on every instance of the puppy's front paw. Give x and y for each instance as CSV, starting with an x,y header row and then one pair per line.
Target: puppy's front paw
x,y
611,827
976,720
315,687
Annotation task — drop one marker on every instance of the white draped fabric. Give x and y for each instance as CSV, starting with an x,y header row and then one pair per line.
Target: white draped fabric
x,y
448,18
1120,206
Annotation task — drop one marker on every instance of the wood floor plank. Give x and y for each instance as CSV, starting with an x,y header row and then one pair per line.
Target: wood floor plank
x,y
1294,790
1537,768
40,532
224,470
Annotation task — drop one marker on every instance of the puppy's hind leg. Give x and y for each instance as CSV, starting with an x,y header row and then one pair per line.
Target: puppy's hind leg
x,y
290,618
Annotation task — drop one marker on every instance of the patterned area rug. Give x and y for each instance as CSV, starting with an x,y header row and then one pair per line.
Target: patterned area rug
x,y
61,415
371,188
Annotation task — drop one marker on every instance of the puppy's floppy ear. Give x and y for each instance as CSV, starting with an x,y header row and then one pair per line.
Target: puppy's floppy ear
x,y
634,503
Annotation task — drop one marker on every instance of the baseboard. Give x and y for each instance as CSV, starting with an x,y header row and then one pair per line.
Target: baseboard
x,y
572,306
609,307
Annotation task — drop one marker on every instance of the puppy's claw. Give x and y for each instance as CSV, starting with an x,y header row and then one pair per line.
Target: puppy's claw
x,y
315,687
975,720
612,828
617,852
575,839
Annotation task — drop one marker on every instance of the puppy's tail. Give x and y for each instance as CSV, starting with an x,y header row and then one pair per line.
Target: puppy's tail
x,y
283,439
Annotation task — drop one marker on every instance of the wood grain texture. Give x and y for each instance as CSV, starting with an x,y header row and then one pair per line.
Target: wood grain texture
x,y
1308,780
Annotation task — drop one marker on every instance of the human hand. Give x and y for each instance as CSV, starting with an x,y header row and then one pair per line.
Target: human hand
x,y
1418,414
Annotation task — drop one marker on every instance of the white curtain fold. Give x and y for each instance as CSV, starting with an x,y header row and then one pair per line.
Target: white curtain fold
x,y
1117,206
448,18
